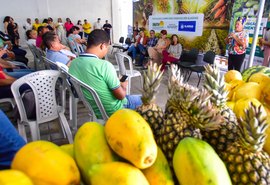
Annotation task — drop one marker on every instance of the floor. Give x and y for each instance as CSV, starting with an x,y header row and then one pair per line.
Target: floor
x,y
51,131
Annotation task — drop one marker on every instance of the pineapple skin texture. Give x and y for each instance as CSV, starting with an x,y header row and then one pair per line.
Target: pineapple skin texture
x,y
153,115
159,173
131,137
45,163
116,173
247,167
195,162
14,177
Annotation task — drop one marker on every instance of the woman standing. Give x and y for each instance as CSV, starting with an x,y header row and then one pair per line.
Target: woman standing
x,y
173,53
6,22
79,25
155,53
238,42
68,25
60,31
265,43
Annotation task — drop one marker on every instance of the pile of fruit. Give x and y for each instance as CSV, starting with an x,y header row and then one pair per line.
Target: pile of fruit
x,y
196,140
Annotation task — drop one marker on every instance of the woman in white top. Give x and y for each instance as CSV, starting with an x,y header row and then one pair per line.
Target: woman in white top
x,y
265,42
173,54
31,37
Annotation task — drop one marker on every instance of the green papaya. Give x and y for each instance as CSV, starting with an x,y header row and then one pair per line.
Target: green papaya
x,y
195,162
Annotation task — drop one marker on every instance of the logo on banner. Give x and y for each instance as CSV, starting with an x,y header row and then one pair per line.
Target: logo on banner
x,y
188,26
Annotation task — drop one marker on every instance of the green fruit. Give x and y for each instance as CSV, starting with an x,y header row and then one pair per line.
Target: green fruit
x,y
246,74
69,149
195,162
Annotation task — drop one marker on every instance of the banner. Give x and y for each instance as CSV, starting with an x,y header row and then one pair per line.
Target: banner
x,y
184,24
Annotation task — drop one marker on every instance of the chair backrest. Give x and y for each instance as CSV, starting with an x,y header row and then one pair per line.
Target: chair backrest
x,y
120,59
37,56
209,57
62,66
121,40
193,54
49,64
43,85
79,87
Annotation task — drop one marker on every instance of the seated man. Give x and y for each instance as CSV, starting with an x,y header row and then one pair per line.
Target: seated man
x,y
101,75
56,52
10,142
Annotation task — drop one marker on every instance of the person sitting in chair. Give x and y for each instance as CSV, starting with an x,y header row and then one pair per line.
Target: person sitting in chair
x,y
101,75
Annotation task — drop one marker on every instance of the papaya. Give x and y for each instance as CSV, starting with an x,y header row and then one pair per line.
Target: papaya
x,y
91,147
159,173
14,177
131,137
113,173
69,149
45,163
195,162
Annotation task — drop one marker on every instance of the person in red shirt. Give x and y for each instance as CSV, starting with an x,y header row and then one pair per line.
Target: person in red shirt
x,y
41,31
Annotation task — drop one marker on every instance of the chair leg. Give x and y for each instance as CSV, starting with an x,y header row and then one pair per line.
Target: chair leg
x,y
21,130
199,76
189,74
73,113
66,127
34,129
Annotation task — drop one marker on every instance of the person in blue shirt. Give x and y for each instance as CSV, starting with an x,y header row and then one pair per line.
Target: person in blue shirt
x,y
10,141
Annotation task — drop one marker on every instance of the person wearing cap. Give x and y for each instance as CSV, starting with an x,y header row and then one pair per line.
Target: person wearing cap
x,y
265,43
155,53
238,42
97,25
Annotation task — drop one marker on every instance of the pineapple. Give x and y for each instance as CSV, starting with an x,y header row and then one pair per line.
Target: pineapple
x,y
227,132
150,111
187,110
245,159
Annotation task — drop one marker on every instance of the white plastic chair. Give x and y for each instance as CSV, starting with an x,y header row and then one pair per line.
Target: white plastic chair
x,y
79,86
73,100
121,58
49,64
38,61
43,84
8,100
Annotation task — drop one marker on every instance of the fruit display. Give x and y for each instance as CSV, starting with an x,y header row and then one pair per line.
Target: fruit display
x,y
213,135
191,164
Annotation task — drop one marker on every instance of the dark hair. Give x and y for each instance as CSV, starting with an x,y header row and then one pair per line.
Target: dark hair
x,y
152,31
50,19
40,28
36,19
28,32
163,32
97,37
78,22
48,38
45,21
73,29
6,19
172,38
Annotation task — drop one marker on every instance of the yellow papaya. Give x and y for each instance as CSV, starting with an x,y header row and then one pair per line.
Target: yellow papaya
x,y
45,163
116,173
90,147
130,136
159,173
195,162
14,177
69,149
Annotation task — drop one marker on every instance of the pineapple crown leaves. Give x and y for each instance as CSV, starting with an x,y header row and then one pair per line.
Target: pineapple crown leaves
x,y
215,84
197,105
151,82
175,78
252,128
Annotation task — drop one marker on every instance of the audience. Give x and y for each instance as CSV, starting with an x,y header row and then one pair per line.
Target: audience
x,y
173,54
100,74
98,25
31,36
27,25
41,31
79,25
86,28
56,51
68,25
6,22
12,30
74,38
60,31
36,24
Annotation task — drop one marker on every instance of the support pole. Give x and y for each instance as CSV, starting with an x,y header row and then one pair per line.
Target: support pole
x,y
256,33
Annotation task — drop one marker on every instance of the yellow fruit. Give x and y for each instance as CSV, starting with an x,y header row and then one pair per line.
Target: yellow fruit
x,y
68,148
14,177
232,75
230,104
45,163
90,147
243,104
266,146
259,78
196,163
159,173
266,94
116,173
248,90
232,86
130,136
